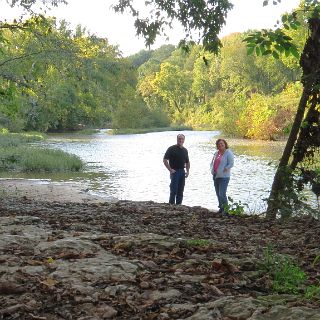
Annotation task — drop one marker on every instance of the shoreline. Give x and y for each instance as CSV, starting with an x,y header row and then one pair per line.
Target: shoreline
x,y
49,191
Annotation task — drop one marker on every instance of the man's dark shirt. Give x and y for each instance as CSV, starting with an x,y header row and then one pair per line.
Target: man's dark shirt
x,y
177,157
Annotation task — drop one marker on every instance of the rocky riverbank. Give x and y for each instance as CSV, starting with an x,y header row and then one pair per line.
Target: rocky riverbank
x,y
145,260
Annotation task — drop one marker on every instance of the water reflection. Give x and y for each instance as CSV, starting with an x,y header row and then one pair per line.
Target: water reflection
x,y
130,166
268,150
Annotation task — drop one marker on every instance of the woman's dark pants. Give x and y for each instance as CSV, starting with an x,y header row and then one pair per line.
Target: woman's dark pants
x,y
177,186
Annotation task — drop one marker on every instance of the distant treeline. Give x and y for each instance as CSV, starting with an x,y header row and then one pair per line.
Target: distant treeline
x,y
53,78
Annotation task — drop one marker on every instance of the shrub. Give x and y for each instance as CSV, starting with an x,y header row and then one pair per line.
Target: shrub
x,y
235,208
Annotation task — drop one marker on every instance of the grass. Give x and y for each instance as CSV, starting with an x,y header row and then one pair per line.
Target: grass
x,y
17,155
197,243
49,160
147,130
287,277
16,139
313,292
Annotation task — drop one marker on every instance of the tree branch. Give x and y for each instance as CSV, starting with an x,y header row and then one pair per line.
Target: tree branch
x,y
20,57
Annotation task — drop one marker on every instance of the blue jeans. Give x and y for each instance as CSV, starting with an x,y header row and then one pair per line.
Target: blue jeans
x,y
221,185
177,186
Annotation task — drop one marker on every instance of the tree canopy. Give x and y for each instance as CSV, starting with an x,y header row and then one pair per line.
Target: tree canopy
x,y
28,4
202,19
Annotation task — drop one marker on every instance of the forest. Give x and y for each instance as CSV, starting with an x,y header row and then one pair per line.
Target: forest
x,y
53,78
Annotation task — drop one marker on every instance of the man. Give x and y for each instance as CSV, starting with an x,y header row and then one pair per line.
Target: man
x,y
176,160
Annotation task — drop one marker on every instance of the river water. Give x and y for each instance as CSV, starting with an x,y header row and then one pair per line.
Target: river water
x,y
130,166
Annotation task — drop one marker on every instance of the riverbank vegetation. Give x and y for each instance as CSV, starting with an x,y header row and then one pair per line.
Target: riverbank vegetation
x,y
147,130
16,154
53,78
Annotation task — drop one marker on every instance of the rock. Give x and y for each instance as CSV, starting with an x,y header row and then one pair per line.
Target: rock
x,y
167,294
286,313
103,267
115,290
67,248
105,312
132,260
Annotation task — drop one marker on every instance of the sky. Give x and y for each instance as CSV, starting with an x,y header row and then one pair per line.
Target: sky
x,y
99,19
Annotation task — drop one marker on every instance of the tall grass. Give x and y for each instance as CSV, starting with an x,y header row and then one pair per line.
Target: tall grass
x,y
17,155
49,160
16,139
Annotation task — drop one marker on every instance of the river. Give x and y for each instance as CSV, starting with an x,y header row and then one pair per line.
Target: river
x,y
130,166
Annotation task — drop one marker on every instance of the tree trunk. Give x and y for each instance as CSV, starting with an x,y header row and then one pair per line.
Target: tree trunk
x,y
309,132
278,180
310,63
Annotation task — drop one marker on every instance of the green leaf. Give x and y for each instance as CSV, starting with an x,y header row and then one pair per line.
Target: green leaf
x,y
266,52
304,124
262,49
284,18
275,54
287,38
293,26
268,44
249,38
294,52
279,48
260,40
250,50
258,51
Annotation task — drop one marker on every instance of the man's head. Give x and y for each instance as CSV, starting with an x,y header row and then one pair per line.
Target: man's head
x,y
180,139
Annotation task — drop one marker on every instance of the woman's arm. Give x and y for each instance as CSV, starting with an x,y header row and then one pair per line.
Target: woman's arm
x,y
211,163
230,160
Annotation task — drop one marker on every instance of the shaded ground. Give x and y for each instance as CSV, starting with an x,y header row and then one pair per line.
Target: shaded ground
x,y
144,260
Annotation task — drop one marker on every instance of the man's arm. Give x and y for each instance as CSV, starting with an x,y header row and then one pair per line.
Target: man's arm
x,y
166,163
187,169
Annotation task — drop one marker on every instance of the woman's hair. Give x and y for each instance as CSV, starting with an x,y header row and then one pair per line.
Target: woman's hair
x,y
224,141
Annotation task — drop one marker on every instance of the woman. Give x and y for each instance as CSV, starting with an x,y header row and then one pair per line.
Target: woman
x,y
221,164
